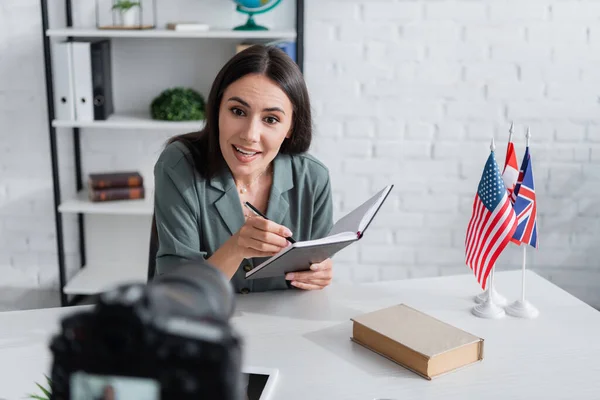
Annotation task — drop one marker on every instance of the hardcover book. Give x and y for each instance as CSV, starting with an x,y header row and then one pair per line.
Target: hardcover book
x,y
115,180
119,193
417,341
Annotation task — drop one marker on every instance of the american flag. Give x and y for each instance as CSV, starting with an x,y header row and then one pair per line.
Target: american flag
x,y
511,170
492,223
526,205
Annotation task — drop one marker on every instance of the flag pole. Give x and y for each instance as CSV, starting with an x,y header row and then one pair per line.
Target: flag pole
x,y
522,308
497,297
488,308
523,274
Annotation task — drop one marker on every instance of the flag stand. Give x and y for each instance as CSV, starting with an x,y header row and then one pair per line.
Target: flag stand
x,y
489,309
496,297
490,228
522,308
509,180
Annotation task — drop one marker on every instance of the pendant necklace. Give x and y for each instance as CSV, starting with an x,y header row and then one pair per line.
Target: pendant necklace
x,y
244,188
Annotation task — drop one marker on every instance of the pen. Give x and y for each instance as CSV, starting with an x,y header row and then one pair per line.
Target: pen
x,y
255,211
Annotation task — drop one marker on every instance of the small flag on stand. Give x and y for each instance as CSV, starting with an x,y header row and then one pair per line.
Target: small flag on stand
x,y
511,167
493,222
525,205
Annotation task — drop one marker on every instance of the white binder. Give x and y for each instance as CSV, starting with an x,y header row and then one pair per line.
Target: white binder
x,y
64,91
82,68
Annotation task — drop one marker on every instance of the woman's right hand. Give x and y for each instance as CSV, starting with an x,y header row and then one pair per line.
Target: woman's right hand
x,y
259,237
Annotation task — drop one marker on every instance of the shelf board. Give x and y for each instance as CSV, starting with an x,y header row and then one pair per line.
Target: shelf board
x,y
165,33
96,278
131,121
81,204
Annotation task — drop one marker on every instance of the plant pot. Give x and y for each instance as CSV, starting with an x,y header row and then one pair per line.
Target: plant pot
x,y
129,17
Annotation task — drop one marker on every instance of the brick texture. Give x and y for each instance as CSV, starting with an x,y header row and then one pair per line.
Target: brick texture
x,y
404,92
440,79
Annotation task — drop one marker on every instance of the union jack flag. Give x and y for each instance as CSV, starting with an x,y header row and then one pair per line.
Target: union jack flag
x,y
525,205
492,223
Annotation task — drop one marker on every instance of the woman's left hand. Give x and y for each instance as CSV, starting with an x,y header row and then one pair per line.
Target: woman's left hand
x,y
317,278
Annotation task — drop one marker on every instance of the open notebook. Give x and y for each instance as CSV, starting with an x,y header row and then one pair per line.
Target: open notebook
x,y
300,255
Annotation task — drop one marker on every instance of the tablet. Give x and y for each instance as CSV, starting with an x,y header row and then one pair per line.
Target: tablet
x,y
260,382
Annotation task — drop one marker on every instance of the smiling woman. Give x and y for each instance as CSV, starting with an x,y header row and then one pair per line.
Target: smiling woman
x,y
252,149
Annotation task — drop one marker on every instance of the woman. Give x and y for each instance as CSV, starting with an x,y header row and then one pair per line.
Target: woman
x,y
252,149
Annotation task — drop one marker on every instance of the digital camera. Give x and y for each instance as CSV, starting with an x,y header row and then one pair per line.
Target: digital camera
x,y
169,339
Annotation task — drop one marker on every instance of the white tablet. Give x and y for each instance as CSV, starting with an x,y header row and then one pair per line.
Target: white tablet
x,y
260,382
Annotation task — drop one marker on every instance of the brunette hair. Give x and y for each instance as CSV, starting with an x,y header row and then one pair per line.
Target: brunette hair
x,y
273,63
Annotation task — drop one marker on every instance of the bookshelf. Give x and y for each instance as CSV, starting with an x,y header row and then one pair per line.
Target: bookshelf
x,y
107,225
130,121
94,278
168,34
81,205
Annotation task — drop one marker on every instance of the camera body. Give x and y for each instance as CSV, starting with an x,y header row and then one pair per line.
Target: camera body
x,y
170,339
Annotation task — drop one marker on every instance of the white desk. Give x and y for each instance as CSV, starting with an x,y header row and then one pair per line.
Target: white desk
x,y
306,335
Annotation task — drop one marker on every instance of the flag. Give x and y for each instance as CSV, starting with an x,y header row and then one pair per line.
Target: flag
x,y
521,174
492,223
526,205
511,170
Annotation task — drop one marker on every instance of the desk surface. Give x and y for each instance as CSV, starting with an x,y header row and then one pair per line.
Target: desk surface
x,y
306,335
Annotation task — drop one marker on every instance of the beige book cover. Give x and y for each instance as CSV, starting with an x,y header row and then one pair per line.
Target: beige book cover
x,y
417,341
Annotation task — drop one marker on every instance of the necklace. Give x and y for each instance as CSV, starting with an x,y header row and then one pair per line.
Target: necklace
x,y
244,188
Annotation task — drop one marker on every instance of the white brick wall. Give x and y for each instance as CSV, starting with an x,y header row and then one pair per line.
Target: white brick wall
x,y
438,79
27,235
406,93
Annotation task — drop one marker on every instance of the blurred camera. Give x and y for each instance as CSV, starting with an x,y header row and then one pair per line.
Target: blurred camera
x,y
170,339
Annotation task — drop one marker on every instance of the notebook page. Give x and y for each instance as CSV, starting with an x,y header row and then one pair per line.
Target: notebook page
x,y
373,210
339,237
357,219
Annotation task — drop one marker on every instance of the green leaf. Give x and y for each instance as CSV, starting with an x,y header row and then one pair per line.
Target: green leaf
x,y
125,5
46,392
43,389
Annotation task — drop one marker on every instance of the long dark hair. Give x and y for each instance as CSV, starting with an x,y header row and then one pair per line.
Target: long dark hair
x,y
258,59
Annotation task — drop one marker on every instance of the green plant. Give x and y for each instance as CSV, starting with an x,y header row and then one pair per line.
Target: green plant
x,y
124,5
178,104
45,391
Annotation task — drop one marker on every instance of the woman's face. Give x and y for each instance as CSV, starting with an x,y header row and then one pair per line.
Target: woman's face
x,y
255,116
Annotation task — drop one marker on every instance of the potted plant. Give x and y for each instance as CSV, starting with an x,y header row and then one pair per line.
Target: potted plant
x,y
128,11
178,104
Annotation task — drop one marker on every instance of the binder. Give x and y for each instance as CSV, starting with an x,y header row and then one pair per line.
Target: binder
x,y
101,79
82,68
288,47
93,80
300,255
62,71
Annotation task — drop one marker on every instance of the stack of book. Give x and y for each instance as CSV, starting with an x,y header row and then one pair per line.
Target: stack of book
x,y
108,186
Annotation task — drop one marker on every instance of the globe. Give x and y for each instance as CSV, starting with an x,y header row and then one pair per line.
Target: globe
x,y
253,7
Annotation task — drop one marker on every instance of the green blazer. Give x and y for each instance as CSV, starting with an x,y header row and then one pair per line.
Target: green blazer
x,y
195,216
